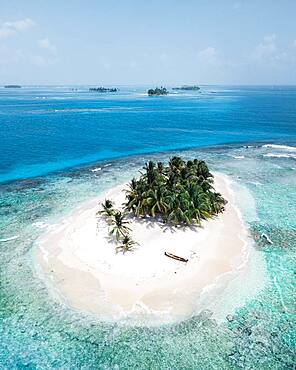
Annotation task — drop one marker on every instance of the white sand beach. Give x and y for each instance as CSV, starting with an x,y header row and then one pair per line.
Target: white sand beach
x,y
80,265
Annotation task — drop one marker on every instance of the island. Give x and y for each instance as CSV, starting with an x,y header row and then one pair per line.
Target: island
x,y
12,86
157,91
103,89
187,88
152,249
179,194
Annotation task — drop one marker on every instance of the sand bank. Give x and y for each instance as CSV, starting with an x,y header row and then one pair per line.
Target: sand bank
x,y
80,266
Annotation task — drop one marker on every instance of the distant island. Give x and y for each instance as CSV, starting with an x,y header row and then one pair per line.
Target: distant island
x,y
103,89
187,88
12,86
158,91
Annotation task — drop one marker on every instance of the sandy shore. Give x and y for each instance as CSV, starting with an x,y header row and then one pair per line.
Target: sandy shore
x,y
80,266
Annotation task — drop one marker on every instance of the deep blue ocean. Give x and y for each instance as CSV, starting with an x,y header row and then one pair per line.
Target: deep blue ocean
x,y
47,129
61,146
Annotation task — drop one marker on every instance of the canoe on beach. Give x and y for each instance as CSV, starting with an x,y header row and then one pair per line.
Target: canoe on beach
x,y
171,255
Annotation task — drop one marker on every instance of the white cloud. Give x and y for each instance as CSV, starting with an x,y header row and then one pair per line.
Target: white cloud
x,y
49,55
294,43
8,29
269,39
272,53
209,55
266,49
208,52
45,56
46,44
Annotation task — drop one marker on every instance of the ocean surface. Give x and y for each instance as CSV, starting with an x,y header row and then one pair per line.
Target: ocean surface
x,y
61,146
49,129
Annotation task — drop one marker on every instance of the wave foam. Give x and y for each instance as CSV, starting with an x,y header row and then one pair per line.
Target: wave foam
x,y
280,147
279,155
8,239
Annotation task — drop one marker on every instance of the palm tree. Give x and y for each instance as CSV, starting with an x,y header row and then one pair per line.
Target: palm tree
x,y
150,172
175,164
136,198
133,184
203,170
119,225
107,209
180,193
127,244
131,194
195,215
160,167
157,201
217,202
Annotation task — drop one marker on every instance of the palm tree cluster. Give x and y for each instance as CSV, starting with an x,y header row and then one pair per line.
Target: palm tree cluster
x,y
118,226
180,193
187,88
158,91
103,89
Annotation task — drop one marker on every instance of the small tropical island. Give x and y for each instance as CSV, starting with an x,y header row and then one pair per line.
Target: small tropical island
x,y
103,89
148,249
12,86
179,194
157,91
187,88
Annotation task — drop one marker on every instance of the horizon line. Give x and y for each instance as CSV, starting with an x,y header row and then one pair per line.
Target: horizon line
x,y
147,84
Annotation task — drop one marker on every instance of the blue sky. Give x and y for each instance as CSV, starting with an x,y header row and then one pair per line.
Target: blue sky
x,y
148,42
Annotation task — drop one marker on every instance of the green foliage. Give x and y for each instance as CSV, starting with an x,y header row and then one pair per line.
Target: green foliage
x,y
103,89
127,244
107,210
187,88
119,225
158,91
180,193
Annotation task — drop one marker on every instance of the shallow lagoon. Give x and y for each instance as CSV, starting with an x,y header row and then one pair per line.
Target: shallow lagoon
x,y
37,331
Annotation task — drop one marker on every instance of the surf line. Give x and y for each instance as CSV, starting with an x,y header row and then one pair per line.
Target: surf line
x,y
8,239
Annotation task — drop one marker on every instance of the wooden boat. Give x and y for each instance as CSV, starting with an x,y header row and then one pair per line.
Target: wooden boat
x,y
171,255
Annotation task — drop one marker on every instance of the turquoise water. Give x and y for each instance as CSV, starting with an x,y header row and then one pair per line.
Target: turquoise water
x,y
50,129
37,332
